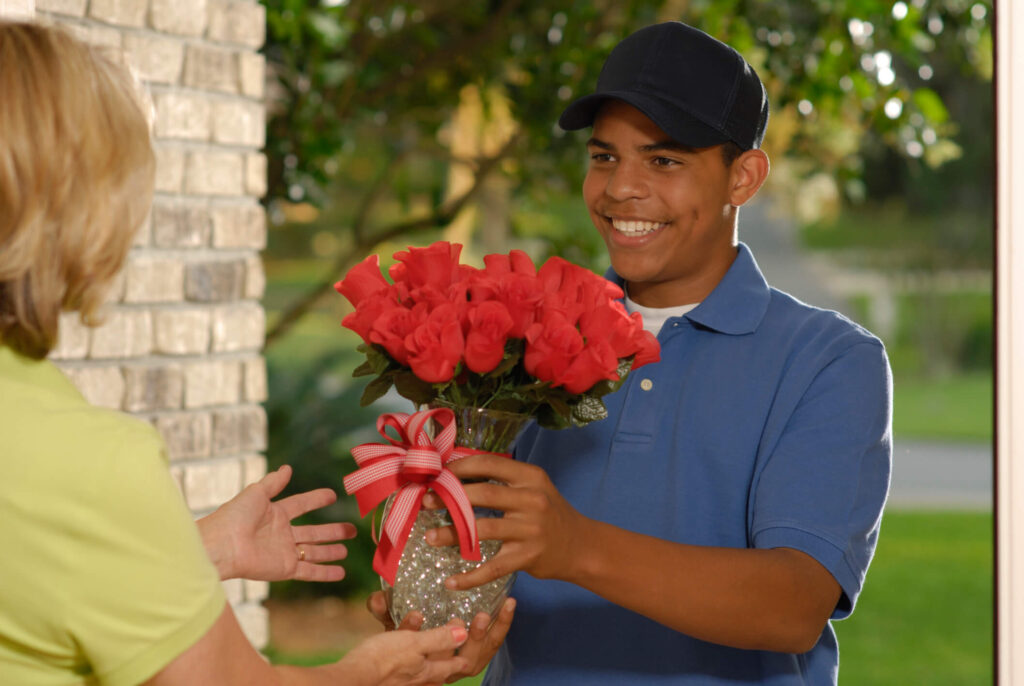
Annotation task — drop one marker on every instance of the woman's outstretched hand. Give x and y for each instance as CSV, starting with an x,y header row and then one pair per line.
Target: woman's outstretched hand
x,y
252,537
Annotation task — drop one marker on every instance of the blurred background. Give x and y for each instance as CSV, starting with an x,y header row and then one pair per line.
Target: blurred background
x,y
400,123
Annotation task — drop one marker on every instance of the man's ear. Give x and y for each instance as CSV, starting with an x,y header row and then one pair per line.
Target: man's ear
x,y
746,174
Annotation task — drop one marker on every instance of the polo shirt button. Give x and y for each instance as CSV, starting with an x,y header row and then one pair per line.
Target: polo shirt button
x,y
647,384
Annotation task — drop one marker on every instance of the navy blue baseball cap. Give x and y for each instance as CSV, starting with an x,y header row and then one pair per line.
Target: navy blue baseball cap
x,y
697,89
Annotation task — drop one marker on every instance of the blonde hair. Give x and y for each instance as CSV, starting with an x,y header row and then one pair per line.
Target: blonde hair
x,y
76,180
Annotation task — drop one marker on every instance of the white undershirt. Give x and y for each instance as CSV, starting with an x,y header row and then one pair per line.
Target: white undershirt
x,y
654,317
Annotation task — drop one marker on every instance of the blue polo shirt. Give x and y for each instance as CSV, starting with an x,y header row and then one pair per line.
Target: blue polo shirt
x,y
765,424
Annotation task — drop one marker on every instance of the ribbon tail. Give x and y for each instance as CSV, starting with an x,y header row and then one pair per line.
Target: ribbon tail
x,y
395,531
461,512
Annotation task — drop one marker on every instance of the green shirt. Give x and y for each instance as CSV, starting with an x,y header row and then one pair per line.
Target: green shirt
x,y
103,577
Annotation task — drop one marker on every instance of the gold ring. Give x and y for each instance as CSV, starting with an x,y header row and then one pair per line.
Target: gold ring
x,y
302,553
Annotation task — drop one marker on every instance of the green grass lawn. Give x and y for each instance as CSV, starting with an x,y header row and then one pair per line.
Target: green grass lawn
x,y
957,407
926,613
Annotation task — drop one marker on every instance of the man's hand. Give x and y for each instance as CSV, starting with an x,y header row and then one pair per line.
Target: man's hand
x,y
539,528
484,639
252,537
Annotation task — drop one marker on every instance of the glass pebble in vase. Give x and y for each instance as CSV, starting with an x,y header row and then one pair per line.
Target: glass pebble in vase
x,y
423,568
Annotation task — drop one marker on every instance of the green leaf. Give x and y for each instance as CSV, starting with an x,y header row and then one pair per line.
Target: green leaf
x,y
365,369
930,104
588,409
418,391
375,389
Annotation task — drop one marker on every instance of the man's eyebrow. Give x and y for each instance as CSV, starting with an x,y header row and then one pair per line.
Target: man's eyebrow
x,y
667,145
598,143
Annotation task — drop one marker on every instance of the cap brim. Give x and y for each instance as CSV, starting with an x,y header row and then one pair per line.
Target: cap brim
x,y
679,125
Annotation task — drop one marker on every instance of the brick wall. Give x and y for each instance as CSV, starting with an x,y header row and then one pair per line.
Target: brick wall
x,y
181,345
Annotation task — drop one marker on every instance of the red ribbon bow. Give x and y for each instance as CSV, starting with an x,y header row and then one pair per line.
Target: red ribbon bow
x,y
412,465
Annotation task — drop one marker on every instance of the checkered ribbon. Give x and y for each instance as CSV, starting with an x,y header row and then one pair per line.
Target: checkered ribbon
x,y
411,465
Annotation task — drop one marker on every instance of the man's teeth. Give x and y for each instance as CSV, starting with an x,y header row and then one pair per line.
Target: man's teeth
x,y
636,228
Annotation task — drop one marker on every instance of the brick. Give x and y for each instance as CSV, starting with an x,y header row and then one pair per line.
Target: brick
x,y
120,12
73,8
212,69
214,173
154,279
252,74
115,289
101,386
188,435
124,334
180,17
181,332
254,622
142,234
255,590
254,468
183,116
181,225
234,590
239,429
254,380
158,59
240,326
170,168
150,388
233,21
211,484
72,338
255,278
23,10
256,174
239,122
239,226
96,34
215,281
212,382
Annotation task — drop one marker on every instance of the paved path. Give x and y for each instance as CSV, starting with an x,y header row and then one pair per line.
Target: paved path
x,y
941,475
925,474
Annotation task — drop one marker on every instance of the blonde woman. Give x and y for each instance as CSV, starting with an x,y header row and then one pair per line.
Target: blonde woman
x,y
104,578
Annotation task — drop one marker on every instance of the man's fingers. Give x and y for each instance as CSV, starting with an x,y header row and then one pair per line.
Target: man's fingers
x,y
377,604
497,567
493,467
323,533
301,503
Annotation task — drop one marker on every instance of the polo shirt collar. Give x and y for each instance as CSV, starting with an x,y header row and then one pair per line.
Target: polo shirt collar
x,y
737,304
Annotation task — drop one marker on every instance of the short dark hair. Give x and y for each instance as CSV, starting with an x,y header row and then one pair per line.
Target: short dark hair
x,y
730,151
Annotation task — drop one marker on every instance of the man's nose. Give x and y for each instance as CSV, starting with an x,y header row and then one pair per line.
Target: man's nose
x,y
626,181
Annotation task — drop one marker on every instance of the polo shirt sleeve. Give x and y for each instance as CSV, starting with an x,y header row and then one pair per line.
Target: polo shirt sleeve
x,y
823,486
142,590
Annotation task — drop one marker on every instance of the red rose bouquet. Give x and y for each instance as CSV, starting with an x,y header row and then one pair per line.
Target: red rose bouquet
x,y
547,342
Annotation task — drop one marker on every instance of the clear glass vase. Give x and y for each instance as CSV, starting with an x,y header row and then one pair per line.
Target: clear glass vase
x,y
423,568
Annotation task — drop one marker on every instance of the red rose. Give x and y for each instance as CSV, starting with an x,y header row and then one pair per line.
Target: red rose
x,y
489,324
436,266
362,281
435,346
648,348
596,362
610,322
391,327
516,261
551,345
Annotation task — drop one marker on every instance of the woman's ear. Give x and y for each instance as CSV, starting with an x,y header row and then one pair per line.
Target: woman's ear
x,y
746,174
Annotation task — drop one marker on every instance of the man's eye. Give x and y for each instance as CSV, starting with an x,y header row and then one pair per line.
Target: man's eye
x,y
600,157
664,162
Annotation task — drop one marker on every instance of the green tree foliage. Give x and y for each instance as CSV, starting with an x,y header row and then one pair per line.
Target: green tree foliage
x,y
364,92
